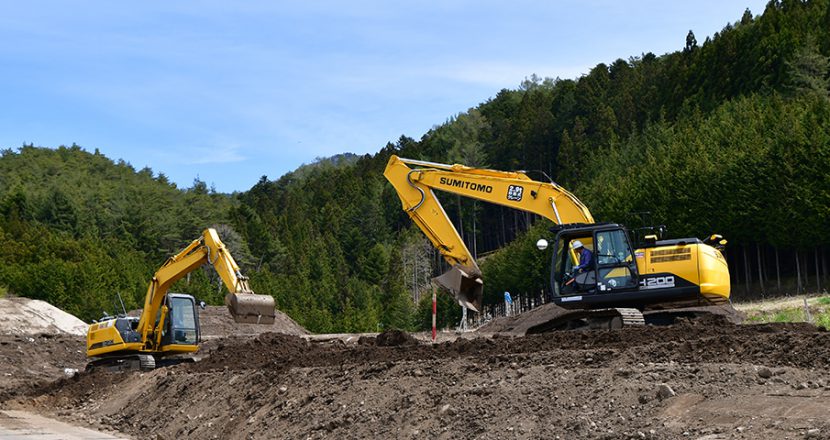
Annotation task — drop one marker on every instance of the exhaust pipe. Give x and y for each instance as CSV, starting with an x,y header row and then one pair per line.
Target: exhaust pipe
x,y
250,308
465,284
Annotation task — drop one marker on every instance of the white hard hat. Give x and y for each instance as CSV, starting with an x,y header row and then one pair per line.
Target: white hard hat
x,y
576,244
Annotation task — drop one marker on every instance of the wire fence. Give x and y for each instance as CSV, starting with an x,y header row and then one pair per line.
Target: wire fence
x,y
519,304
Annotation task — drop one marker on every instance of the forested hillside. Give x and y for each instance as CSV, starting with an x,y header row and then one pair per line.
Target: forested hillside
x,y
731,135
76,227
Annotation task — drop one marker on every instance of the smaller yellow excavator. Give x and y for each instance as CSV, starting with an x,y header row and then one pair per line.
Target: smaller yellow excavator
x,y
169,322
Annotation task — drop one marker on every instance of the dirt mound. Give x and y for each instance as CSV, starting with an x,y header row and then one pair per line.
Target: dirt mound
x,y
395,338
273,351
216,321
686,381
29,362
519,324
24,316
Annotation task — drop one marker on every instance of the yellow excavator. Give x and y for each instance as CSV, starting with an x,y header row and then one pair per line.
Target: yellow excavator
x,y
169,322
669,276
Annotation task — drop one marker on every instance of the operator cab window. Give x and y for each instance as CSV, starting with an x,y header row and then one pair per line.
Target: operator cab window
x,y
183,321
615,262
568,281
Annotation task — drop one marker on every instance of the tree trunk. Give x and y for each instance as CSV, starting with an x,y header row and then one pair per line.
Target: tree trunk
x,y
460,221
503,232
798,271
515,224
764,268
475,240
734,266
415,294
748,277
777,270
818,274
760,272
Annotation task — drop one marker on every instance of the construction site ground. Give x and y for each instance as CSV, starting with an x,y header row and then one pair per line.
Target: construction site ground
x,y
702,379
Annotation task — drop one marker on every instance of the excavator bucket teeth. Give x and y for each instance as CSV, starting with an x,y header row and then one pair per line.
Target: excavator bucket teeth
x,y
249,308
465,284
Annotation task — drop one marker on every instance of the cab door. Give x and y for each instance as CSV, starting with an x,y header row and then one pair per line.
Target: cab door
x,y
616,266
563,279
183,321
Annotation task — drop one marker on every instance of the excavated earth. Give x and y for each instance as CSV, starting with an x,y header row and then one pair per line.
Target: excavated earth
x,y
30,362
702,379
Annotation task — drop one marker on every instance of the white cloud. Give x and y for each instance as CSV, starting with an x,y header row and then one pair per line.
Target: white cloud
x,y
216,154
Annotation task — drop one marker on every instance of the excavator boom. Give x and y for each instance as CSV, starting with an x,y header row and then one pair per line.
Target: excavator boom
x,y
512,189
243,304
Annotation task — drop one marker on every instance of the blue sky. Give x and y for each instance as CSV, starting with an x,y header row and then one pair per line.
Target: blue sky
x,y
231,91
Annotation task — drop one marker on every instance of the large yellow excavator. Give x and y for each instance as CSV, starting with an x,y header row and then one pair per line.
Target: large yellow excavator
x,y
169,322
621,282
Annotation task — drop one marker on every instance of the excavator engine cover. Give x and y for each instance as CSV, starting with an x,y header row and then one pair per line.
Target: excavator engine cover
x,y
465,284
250,308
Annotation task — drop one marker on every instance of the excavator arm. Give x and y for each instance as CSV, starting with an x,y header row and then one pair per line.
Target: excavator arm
x,y
512,189
243,304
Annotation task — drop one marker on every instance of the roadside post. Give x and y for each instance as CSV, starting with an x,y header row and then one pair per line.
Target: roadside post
x,y
434,310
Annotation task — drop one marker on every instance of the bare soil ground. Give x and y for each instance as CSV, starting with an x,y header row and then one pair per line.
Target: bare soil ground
x,y
31,361
701,379
38,344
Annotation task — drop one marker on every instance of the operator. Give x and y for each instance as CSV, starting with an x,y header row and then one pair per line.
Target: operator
x,y
586,257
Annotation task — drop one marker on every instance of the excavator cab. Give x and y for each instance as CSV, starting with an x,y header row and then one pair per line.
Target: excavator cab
x,y
182,326
612,266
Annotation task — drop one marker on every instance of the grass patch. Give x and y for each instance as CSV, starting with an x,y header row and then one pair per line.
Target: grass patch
x,y
820,315
824,300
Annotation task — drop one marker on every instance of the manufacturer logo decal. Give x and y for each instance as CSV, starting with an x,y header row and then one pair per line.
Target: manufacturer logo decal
x,y
514,193
466,185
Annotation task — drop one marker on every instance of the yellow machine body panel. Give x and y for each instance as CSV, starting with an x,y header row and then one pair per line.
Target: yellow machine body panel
x,y
179,348
102,338
714,274
698,263
678,260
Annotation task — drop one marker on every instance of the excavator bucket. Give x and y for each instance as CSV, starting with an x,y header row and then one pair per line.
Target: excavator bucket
x,y
250,308
465,284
